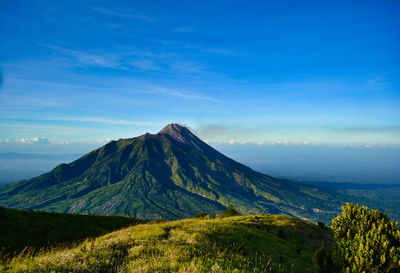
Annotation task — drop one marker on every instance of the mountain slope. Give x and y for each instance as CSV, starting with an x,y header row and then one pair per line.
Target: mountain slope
x,y
172,174
257,243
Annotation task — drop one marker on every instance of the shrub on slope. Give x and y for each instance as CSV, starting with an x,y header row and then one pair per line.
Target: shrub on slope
x,y
365,241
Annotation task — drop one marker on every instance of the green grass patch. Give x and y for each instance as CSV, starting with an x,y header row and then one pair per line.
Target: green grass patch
x,y
256,243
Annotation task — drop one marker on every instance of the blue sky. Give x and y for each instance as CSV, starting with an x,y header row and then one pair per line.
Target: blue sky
x,y
304,72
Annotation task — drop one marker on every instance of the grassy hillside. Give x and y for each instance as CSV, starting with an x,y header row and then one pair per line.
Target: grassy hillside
x,y
36,229
257,243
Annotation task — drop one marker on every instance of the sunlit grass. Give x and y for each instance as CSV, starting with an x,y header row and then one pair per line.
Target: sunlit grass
x,y
257,243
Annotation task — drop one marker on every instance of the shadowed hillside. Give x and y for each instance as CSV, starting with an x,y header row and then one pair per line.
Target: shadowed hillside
x,y
36,229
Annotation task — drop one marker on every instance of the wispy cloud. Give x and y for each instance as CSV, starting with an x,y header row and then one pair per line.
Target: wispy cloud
x,y
378,81
218,51
128,60
183,29
112,121
86,59
208,49
186,67
40,141
127,87
67,130
122,14
86,119
366,130
191,96
145,65
1,78
181,94
210,130
233,142
166,62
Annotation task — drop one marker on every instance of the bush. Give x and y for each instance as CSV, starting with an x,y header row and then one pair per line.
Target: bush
x,y
231,211
321,225
159,221
365,241
200,215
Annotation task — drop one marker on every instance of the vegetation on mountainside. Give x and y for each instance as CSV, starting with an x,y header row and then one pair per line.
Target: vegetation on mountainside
x,y
35,229
365,241
257,243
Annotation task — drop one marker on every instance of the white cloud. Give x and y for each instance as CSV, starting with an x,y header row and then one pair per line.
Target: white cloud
x,y
231,142
370,145
32,140
106,140
43,140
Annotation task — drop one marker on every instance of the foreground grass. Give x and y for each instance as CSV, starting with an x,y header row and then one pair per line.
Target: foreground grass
x,y
257,243
37,229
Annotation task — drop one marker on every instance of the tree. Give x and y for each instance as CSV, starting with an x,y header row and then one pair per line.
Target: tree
x,y
200,215
231,211
365,241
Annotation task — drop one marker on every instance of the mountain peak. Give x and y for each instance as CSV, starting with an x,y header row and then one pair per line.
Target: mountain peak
x,y
183,135
175,130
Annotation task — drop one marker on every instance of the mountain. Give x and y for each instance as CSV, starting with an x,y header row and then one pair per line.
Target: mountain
x,y
173,175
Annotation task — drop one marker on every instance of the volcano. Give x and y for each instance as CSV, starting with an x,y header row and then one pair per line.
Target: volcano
x,y
172,174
